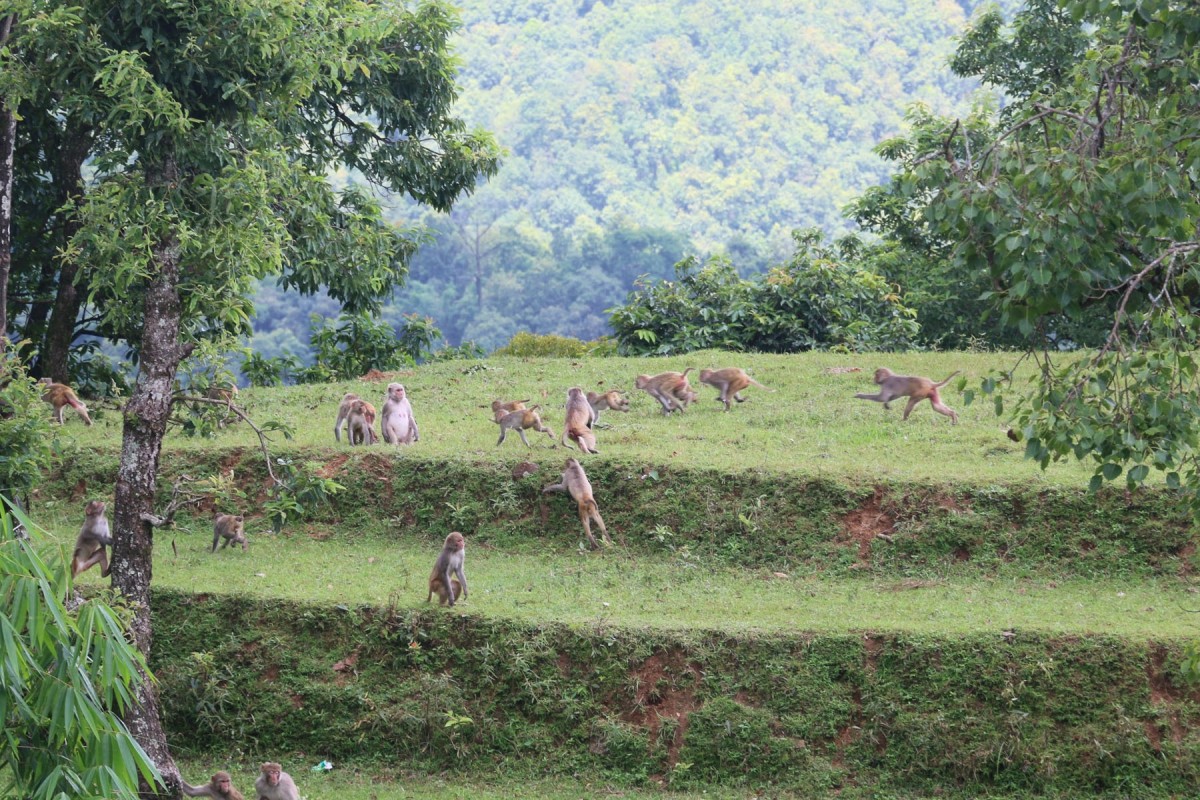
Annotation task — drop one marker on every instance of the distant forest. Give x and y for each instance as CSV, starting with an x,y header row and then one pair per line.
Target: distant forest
x,y
642,132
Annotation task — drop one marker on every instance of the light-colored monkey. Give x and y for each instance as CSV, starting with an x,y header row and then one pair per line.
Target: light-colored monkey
x,y
575,483
343,412
603,401
59,395
580,416
728,382
93,538
399,425
521,420
226,392
448,576
671,389
360,423
275,784
231,528
219,788
914,388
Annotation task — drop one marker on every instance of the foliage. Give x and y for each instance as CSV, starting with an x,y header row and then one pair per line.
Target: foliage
x,y
353,345
299,492
531,345
27,439
823,298
65,678
263,371
1079,206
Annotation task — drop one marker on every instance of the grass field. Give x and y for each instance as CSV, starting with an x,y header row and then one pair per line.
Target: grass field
x,y
810,422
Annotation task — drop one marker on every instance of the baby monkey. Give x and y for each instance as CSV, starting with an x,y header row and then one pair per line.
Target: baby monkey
x,y
603,401
521,420
448,577
914,388
231,528
219,788
93,538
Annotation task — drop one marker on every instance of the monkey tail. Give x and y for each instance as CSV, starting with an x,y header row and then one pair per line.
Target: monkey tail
x,y
686,371
948,377
759,385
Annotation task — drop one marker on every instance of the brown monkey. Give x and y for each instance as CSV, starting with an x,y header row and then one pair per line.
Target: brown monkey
x,y
728,382
580,416
607,400
231,528
360,423
521,420
575,483
500,409
60,396
914,388
671,389
93,538
399,425
226,392
275,784
219,788
448,570
437,587
343,412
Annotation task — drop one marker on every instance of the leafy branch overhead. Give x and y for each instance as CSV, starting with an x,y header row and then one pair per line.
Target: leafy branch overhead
x,y
1078,206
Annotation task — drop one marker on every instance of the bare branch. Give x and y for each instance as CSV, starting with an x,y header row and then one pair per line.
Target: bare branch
x,y
263,439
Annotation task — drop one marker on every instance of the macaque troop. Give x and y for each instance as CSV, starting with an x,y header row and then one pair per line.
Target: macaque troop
x,y
581,410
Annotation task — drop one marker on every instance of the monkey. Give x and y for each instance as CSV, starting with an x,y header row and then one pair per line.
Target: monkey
x,y
360,423
230,527
607,400
520,420
93,538
275,784
438,588
575,483
60,396
669,388
580,416
343,412
399,425
227,392
728,382
499,409
219,788
450,560
915,388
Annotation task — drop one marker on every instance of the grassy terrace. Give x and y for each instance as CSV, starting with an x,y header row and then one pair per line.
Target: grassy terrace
x,y
816,599
809,424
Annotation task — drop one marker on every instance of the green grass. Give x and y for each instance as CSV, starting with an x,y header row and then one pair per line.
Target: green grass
x,y
809,423
614,588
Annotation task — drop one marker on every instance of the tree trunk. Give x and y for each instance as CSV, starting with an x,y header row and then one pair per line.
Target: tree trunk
x,y
76,144
8,140
145,425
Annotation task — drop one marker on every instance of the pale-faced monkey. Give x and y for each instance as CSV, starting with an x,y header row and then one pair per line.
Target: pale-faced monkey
x,y
448,577
580,416
521,420
231,528
60,396
219,788
575,483
360,423
914,388
671,389
603,401
275,784
343,412
728,382
399,425
93,538
500,408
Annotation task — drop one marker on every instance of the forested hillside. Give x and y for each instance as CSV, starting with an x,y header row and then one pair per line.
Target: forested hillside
x,y
640,132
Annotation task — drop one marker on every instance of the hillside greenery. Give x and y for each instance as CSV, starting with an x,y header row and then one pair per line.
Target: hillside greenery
x,y
639,134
